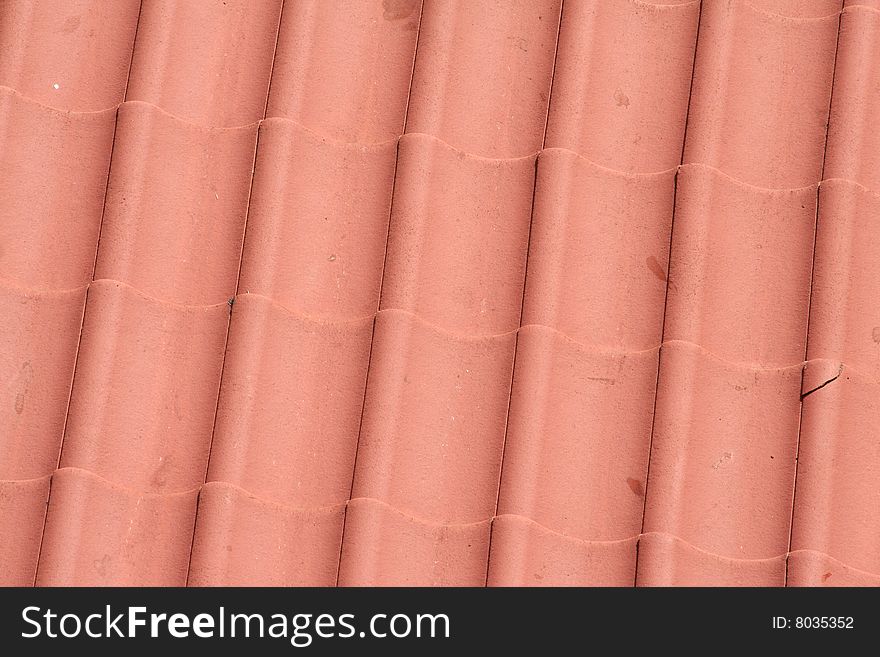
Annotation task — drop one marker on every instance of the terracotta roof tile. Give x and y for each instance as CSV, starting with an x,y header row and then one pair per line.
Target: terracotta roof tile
x,y
760,93
175,208
302,365
439,293
73,55
139,413
242,540
386,547
622,81
343,69
99,533
834,532
22,511
482,74
206,62
51,212
852,151
314,253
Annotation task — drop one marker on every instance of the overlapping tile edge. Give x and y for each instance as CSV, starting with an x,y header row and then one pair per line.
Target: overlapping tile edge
x,y
664,343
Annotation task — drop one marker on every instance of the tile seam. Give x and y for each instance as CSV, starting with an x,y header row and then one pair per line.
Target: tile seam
x,y
86,298
666,292
402,127
235,292
523,296
275,506
793,502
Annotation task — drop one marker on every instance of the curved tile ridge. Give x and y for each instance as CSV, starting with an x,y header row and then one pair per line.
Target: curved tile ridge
x,y
600,168
318,221
661,5
740,268
648,536
796,10
607,472
744,184
329,138
458,236
723,453
58,111
667,560
469,155
812,568
297,313
861,5
147,297
844,318
73,472
12,287
384,547
599,349
578,435
112,108
738,364
330,141
615,295
854,183
836,493
671,561
17,287
433,420
241,540
53,177
119,486
525,553
437,328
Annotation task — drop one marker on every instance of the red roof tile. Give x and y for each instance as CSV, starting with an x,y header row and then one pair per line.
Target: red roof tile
x,y
343,68
72,55
622,81
482,74
206,62
402,292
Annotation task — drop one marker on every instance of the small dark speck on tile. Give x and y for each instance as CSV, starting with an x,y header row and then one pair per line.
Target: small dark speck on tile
x,y
635,486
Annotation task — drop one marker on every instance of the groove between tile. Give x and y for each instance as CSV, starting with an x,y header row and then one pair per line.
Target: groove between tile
x,y
521,326
666,295
809,306
237,283
332,142
525,282
381,283
671,484
86,301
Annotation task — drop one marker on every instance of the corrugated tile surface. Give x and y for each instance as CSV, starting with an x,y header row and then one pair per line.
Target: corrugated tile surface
x,y
541,292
